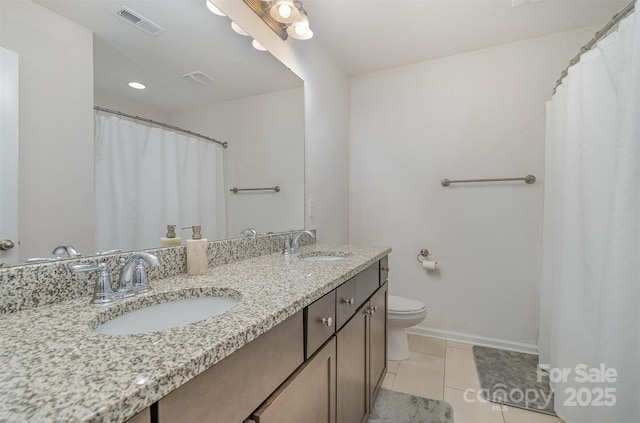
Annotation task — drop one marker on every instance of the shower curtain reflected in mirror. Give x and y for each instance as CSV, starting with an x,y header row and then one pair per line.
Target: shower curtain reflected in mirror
x,y
590,289
148,177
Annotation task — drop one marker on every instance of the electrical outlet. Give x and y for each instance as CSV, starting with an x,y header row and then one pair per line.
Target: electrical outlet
x,y
312,208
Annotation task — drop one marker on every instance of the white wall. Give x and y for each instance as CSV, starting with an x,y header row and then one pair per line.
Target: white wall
x,y
473,115
326,113
264,133
56,127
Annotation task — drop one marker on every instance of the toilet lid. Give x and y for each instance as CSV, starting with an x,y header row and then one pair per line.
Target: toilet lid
x,y
404,305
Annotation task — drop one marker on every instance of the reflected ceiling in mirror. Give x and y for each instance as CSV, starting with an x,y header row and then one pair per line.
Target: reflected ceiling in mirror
x,y
192,40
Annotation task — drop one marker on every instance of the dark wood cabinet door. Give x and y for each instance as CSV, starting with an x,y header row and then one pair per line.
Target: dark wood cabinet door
x,y
377,341
352,369
309,395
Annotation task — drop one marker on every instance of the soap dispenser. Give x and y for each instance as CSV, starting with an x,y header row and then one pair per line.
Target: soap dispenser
x,y
171,240
197,255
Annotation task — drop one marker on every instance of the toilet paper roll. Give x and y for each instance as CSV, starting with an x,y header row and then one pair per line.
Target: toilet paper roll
x,y
429,265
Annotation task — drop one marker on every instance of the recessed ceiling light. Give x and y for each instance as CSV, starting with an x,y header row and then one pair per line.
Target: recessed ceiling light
x,y
137,85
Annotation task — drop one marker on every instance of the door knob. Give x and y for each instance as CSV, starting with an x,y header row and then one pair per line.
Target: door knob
x,y
6,244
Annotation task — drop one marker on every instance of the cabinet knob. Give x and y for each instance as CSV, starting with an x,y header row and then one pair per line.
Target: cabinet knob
x,y
327,321
384,269
372,310
350,301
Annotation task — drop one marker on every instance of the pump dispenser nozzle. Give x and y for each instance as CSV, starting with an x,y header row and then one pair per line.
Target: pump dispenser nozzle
x,y
196,231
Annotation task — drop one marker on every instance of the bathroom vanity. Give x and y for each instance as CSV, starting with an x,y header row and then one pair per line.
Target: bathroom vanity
x,y
306,342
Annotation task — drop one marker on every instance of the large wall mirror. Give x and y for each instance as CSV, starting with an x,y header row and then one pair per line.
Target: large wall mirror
x,y
200,75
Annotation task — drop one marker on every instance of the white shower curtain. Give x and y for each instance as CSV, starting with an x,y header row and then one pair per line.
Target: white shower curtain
x,y
590,288
148,177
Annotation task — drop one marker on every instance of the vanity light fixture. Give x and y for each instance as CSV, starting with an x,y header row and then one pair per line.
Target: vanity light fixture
x,y
287,18
258,46
285,11
214,9
238,30
300,29
137,85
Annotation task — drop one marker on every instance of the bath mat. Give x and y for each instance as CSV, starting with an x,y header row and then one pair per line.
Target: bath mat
x,y
396,407
512,378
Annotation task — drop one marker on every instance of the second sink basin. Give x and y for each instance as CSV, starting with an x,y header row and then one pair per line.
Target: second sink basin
x,y
167,315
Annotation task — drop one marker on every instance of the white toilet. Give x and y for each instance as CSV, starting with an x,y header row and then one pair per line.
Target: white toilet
x,y
402,313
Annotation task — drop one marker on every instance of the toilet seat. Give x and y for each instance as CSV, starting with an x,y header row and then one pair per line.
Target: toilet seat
x,y
401,305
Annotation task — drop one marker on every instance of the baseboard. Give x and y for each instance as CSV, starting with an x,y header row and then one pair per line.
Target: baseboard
x,y
474,339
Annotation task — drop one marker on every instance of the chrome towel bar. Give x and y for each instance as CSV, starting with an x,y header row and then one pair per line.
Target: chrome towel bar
x,y
236,190
529,179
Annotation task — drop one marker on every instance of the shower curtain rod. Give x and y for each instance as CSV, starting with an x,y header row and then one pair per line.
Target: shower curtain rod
x,y
224,144
597,37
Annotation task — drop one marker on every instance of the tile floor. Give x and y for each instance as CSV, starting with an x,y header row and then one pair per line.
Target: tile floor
x,y
443,370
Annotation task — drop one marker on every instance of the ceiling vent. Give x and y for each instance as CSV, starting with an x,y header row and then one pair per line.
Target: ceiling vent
x,y
199,77
139,21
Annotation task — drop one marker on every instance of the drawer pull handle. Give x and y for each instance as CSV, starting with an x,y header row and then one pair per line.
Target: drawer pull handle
x,y
327,321
350,301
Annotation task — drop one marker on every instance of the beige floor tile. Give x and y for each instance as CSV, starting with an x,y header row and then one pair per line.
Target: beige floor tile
x,y
518,415
426,345
387,383
460,370
392,366
421,375
459,345
467,408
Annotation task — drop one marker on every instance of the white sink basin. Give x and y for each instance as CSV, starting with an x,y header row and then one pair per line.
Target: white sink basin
x,y
167,315
324,255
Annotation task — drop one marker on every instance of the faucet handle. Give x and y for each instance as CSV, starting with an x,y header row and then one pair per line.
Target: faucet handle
x,y
102,290
287,243
140,279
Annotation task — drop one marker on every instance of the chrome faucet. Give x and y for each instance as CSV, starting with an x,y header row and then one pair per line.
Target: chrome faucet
x,y
67,249
133,275
292,242
247,232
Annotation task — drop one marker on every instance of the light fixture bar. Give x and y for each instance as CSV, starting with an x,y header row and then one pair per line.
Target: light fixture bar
x,y
277,27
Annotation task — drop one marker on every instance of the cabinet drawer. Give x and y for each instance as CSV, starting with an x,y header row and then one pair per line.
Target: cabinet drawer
x,y
345,302
367,282
232,389
319,322
384,269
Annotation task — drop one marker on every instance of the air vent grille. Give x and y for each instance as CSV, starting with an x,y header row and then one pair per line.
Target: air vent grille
x,y
139,21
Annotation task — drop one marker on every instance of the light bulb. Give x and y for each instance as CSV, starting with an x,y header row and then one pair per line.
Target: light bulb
x,y
284,10
258,46
300,30
214,9
237,29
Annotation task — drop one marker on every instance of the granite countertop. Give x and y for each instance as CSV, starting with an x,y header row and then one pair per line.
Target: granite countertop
x,y
55,368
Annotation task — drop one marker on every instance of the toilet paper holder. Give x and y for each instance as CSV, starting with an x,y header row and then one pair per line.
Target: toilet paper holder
x,y
424,253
